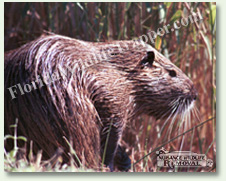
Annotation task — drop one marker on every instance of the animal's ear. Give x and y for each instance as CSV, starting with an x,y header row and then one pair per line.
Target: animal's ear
x,y
148,59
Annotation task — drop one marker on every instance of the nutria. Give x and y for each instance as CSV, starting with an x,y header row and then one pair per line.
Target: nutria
x,y
80,90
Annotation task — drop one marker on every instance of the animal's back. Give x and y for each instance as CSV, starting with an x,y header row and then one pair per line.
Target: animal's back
x,y
56,108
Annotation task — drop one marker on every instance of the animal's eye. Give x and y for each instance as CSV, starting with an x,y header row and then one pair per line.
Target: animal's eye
x,y
148,59
172,73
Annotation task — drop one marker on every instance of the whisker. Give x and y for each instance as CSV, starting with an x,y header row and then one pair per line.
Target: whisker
x,y
172,123
197,114
181,121
165,122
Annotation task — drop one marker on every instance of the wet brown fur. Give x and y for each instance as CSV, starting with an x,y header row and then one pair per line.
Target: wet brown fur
x,y
100,93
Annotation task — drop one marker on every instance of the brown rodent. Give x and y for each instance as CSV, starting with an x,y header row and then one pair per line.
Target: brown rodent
x,y
95,87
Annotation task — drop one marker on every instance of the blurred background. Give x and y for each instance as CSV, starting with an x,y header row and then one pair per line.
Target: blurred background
x,y
192,48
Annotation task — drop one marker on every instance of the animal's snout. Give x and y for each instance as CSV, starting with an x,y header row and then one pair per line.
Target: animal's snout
x,y
193,93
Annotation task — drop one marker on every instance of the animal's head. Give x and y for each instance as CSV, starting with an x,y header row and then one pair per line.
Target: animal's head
x,y
161,89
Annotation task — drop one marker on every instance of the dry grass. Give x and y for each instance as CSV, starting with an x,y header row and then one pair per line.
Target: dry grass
x,y
192,48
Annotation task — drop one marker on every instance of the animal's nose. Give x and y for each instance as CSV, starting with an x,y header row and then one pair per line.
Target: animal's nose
x,y
194,93
195,96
